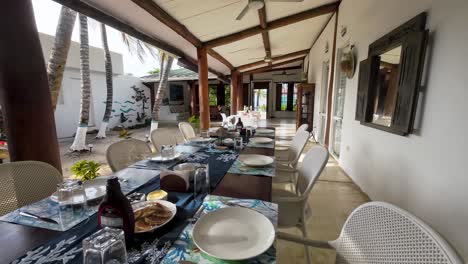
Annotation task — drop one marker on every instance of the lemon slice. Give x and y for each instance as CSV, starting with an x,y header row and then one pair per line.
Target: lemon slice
x,y
156,195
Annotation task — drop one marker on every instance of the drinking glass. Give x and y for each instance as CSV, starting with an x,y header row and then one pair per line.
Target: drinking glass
x,y
205,134
238,143
201,181
71,197
167,151
106,246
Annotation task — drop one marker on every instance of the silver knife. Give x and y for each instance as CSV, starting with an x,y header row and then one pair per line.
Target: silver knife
x,y
45,219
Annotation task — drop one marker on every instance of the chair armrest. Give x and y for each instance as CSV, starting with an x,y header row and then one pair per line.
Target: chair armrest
x,y
304,241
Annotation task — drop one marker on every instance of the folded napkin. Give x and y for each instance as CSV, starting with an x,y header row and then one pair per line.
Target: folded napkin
x,y
175,181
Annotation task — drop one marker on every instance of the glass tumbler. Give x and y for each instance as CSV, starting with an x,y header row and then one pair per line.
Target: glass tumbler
x,y
167,151
71,197
106,246
205,134
238,143
201,182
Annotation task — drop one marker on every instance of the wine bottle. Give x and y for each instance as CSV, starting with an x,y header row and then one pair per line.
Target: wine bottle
x,y
116,211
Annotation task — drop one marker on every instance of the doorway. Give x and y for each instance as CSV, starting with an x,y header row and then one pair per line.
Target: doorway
x,y
338,105
260,95
323,102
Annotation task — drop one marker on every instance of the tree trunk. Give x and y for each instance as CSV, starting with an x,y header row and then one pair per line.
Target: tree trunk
x,y
58,57
80,138
109,84
161,93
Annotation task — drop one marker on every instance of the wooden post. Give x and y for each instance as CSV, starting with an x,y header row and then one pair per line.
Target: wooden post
x,y
24,91
234,92
240,93
330,82
203,88
193,98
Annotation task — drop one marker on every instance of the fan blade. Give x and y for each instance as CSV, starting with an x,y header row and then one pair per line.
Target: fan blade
x,y
243,12
286,0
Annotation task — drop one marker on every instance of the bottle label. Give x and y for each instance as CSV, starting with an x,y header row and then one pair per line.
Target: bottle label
x,y
112,221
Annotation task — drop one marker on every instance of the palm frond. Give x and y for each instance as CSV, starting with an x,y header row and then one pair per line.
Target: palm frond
x,y
140,48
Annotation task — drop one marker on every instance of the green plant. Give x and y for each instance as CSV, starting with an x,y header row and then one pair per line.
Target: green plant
x,y
124,133
86,170
194,120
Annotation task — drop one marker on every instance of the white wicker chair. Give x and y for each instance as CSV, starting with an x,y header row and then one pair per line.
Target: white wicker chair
x,y
292,205
160,137
26,182
186,130
287,163
126,152
378,232
283,144
224,122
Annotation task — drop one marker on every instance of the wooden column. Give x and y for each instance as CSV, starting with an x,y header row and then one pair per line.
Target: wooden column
x,y
193,98
221,94
234,91
203,88
330,82
24,91
240,93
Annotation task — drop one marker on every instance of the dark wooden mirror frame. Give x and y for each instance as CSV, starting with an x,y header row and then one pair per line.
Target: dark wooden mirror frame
x,y
412,36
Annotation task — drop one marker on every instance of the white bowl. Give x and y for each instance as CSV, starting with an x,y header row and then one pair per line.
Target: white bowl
x,y
233,233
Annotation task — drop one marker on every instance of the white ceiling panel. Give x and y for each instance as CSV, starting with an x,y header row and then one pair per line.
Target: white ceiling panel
x,y
277,10
209,19
298,36
244,51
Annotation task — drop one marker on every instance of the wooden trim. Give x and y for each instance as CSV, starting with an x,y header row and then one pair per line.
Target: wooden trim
x,y
157,12
203,89
285,21
277,58
265,35
331,82
240,93
220,58
269,67
321,31
193,66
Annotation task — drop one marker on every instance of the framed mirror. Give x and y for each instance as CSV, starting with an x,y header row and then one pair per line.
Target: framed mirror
x,y
389,79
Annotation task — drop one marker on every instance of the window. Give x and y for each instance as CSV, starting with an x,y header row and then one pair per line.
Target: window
x,y
176,92
213,95
286,97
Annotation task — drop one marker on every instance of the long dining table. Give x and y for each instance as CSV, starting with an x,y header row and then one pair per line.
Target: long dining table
x,y
17,240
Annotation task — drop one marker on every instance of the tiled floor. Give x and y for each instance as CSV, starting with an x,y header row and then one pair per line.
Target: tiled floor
x,y
332,199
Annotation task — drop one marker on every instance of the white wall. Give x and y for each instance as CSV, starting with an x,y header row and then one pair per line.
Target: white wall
x,y
68,107
424,173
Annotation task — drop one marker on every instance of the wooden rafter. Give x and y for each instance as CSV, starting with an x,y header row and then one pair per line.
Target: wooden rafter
x,y
157,12
311,13
265,34
277,58
269,67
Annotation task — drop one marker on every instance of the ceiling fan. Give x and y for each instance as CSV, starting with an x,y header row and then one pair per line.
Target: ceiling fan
x,y
284,73
258,4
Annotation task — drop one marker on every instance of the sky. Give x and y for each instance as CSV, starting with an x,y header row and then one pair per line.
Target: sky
x,y
47,13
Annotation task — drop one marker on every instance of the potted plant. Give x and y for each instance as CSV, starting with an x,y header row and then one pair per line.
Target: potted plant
x,y
86,170
195,121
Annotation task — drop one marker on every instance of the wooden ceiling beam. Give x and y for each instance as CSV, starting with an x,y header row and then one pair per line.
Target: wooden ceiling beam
x,y
277,58
269,67
285,21
160,14
265,34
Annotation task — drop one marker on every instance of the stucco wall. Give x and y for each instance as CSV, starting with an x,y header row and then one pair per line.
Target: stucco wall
x,y
424,173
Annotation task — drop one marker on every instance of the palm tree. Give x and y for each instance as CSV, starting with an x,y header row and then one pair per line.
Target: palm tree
x,y
58,57
109,84
79,143
166,64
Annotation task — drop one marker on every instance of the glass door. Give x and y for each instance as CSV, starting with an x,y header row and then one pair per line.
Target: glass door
x,y
338,105
323,103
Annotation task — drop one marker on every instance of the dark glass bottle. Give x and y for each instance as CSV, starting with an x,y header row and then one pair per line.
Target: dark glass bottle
x,y
116,211
239,125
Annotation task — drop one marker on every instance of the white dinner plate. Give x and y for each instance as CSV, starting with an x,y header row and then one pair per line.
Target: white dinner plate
x,y
199,140
264,131
261,140
172,207
95,189
255,160
159,158
233,233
